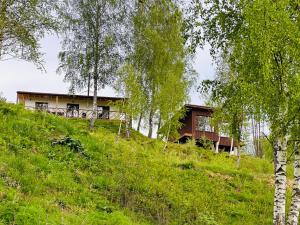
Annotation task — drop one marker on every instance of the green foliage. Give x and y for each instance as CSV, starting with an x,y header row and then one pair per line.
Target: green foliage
x,y
91,41
2,99
154,78
125,182
22,25
261,57
130,84
73,144
93,46
206,143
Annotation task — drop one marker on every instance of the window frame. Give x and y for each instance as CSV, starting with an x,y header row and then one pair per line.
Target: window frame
x,y
206,126
103,112
42,106
72,108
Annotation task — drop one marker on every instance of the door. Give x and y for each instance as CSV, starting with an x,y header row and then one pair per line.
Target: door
x,y
72,110
103,112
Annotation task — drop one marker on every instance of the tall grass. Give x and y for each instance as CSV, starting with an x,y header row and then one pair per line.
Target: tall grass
x,y
131,181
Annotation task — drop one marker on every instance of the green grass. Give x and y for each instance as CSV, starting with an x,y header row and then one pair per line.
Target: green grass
x,y
120,181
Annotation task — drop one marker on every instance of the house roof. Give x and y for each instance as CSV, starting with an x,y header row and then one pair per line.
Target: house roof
x,y
70,95
190,106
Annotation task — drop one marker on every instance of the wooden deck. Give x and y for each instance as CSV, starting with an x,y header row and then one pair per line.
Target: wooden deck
x,y
224,141
82,113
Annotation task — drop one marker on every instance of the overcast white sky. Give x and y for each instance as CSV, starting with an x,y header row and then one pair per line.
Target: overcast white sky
x,y
18,75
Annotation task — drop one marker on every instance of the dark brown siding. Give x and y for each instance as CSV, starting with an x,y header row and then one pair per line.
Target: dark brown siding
x,y
188,128
186,124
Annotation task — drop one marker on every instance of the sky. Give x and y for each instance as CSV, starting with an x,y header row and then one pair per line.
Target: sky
x,y
18,75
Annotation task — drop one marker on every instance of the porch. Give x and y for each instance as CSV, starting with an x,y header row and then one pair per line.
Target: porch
x,y
81,113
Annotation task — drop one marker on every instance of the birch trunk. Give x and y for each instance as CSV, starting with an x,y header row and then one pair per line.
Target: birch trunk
x,y
280,148
293,217
150,124
238,162
94,113
258,141
89,84
127,125
168,135
231,146
120,125
217,144
158,127
139,122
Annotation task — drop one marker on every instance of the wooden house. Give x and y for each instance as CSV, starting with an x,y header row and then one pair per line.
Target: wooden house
x,y
197,125
74,106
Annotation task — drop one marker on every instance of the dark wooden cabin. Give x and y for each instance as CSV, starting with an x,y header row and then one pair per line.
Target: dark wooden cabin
x,y
196,124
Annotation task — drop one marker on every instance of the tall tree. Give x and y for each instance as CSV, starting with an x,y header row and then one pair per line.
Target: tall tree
x,y
159,59
260,40
229,95
130,85
94,31
22,25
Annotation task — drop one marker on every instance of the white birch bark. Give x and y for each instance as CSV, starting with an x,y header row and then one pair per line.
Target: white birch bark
x,y
127,126
231,147
95,109
139,123
150,123
293,217
238,162
280,149
218,143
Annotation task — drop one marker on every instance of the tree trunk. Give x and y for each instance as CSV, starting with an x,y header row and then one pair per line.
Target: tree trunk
x,y
158,126
231,146
258,141
127,125
150,124
139,123
238,162
120,124
218,143
130,122
254,136
89,84
293,217
94,113
280,148
168,135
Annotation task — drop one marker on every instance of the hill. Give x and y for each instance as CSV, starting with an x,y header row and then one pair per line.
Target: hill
x,y
54,171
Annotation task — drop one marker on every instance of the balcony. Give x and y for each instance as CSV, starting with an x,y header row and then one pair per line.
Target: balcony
x,y
81,113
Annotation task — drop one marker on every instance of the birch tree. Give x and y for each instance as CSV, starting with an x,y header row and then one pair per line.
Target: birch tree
x,y
129,84
229,94
159,57
94,34
293,215
260,41
22,25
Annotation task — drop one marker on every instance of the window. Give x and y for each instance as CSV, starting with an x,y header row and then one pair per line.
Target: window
x,y
42,106
203,124
103,112
72,110
224,130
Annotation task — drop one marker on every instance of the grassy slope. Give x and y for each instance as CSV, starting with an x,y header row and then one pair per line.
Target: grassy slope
x,y
121,182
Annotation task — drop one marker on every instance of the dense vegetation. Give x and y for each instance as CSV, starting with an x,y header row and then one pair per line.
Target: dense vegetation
x,y
54,171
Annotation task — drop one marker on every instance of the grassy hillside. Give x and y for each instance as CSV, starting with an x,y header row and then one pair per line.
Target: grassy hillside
x,y
93,178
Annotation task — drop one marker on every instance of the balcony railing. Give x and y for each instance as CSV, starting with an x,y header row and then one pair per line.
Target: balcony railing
x,y
81,113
